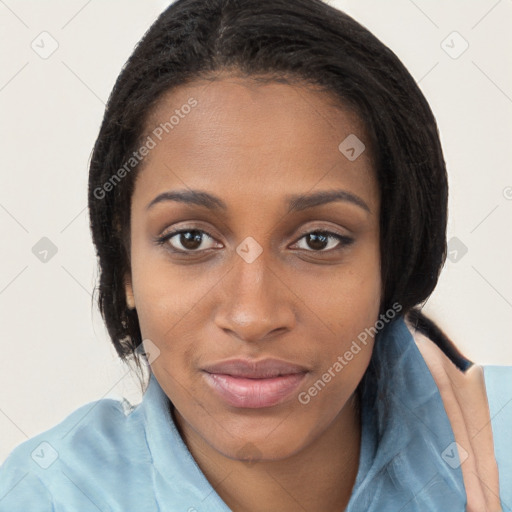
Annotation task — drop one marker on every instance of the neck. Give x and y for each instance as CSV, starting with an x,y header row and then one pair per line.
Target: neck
x,y
318,477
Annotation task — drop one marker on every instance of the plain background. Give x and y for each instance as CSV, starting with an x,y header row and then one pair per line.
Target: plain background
x,y
56,352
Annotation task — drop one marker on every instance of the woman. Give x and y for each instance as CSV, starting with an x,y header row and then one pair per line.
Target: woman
x,y
268,202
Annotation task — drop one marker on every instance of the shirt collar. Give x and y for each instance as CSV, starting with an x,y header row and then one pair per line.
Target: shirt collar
x,y
408,459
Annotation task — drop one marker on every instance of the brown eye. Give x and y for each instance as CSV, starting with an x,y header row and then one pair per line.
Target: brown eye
x,y
317,241
186,240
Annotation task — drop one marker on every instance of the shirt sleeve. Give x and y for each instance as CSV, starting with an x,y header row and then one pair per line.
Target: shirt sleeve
x,y
21,490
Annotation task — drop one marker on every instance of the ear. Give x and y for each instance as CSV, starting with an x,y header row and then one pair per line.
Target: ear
x,y
130,300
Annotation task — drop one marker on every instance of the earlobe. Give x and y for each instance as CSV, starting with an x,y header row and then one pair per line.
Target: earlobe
x,y
130,300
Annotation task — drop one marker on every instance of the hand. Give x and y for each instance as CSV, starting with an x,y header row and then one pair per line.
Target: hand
x,y
465,401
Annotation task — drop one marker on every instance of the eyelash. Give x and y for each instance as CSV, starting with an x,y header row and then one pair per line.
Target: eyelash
x,y
162,240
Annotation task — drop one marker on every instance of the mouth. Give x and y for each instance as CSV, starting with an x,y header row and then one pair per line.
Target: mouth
x,y
253,393
254,384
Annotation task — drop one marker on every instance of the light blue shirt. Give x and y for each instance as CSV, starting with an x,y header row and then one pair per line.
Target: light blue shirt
x,y
106,457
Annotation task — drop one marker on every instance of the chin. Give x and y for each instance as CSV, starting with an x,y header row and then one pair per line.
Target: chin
x,y
260,448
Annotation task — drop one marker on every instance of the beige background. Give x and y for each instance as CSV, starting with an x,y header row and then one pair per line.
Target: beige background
x,y
57,355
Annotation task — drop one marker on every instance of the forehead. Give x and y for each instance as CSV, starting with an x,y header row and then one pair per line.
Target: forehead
x,y
267,137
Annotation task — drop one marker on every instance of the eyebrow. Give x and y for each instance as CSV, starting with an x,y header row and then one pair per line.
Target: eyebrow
x,y
295,202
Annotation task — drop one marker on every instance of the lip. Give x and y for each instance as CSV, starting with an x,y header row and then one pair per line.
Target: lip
x,y
263,368
254,384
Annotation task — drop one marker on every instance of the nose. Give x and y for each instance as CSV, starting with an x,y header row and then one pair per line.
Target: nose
x,y
258,303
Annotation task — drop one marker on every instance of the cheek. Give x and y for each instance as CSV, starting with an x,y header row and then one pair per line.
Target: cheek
x,y
164,293
346,307
172,311
329,389
345,299
364,288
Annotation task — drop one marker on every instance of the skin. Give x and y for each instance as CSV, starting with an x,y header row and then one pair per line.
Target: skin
x,y
252,144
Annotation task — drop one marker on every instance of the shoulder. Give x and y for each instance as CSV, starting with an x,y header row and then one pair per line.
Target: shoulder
x,y
89,439
92,427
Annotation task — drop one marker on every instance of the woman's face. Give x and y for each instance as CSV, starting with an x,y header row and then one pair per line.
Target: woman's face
x,y
249,278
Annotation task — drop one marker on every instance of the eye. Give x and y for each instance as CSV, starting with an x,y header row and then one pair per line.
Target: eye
x,y
190,240
318,240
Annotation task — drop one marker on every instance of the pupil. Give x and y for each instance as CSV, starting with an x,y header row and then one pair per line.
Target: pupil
x,y
316,237
191,242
